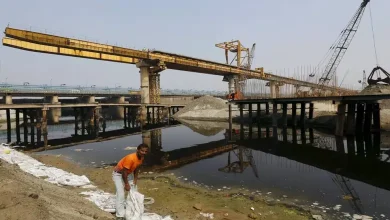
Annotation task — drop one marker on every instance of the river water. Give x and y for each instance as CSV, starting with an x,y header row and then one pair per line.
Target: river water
x,y
308,168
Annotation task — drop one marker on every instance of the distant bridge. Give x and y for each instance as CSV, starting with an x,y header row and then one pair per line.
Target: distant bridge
x,y
44,90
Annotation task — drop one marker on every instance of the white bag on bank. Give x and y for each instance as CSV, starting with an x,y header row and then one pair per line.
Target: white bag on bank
x,y
135,208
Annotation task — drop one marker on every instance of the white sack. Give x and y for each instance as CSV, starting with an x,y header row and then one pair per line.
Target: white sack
x,y
135,208
38,169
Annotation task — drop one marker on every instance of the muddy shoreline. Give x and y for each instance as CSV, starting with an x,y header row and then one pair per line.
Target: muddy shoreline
x,y
185,200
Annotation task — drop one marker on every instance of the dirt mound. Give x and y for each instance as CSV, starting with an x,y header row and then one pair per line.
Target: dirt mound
x,y
205,108
378,90
203,103
27,197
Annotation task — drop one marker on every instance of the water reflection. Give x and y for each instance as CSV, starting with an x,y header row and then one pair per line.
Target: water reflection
x,y
322,167
359,158
303,164
244,159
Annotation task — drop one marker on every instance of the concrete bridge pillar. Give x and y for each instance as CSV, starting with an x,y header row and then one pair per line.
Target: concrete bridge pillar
x,y
7,99
90,112
296,91
274,89
87,99
231,83
116,112
144,75
54,113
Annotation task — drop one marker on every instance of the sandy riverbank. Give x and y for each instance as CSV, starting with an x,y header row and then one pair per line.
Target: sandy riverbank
x,y
179,200
26,197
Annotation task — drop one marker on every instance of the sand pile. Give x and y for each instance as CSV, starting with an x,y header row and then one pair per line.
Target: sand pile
x,y
206,108
378,90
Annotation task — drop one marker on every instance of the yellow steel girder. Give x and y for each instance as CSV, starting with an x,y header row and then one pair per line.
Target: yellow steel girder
x,y
66,51
173,61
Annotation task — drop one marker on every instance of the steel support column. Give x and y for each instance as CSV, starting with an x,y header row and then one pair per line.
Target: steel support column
x,y
154,88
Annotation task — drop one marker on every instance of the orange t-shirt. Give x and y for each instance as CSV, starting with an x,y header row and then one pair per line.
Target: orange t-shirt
x,y
130,162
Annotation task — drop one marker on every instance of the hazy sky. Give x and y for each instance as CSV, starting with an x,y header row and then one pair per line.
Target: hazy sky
x,y
287,33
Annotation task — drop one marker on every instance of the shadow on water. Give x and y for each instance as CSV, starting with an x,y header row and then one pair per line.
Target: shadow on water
x,y
303,164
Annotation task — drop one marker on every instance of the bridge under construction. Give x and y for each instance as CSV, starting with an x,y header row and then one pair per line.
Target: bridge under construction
x,y
151,63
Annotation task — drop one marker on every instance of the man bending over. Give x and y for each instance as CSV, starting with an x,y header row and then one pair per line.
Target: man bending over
x,y
125,173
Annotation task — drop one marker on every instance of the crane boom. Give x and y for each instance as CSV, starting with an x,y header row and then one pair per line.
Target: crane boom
x,y
343,43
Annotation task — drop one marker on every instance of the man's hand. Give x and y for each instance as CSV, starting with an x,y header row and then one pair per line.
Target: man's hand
x,y
127,186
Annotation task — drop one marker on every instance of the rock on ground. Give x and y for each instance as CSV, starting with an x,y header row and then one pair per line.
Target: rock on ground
x,y
24,196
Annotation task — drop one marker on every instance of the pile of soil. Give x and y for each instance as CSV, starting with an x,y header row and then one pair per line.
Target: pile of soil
x,y
378,90
24,196
205,108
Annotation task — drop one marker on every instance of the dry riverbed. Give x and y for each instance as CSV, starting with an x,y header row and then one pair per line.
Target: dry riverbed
x,y
185,201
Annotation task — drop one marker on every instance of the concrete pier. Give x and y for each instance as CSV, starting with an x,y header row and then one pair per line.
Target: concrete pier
x,y
54,113
7,99
144,70
87,99
116,112
274,89
231,84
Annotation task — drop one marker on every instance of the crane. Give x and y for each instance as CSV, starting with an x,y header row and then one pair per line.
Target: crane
x,y
363,82
341,45
240,165
244,58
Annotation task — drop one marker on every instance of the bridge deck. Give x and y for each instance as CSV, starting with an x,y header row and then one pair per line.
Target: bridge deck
x,y
310,99
80,105
44,43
